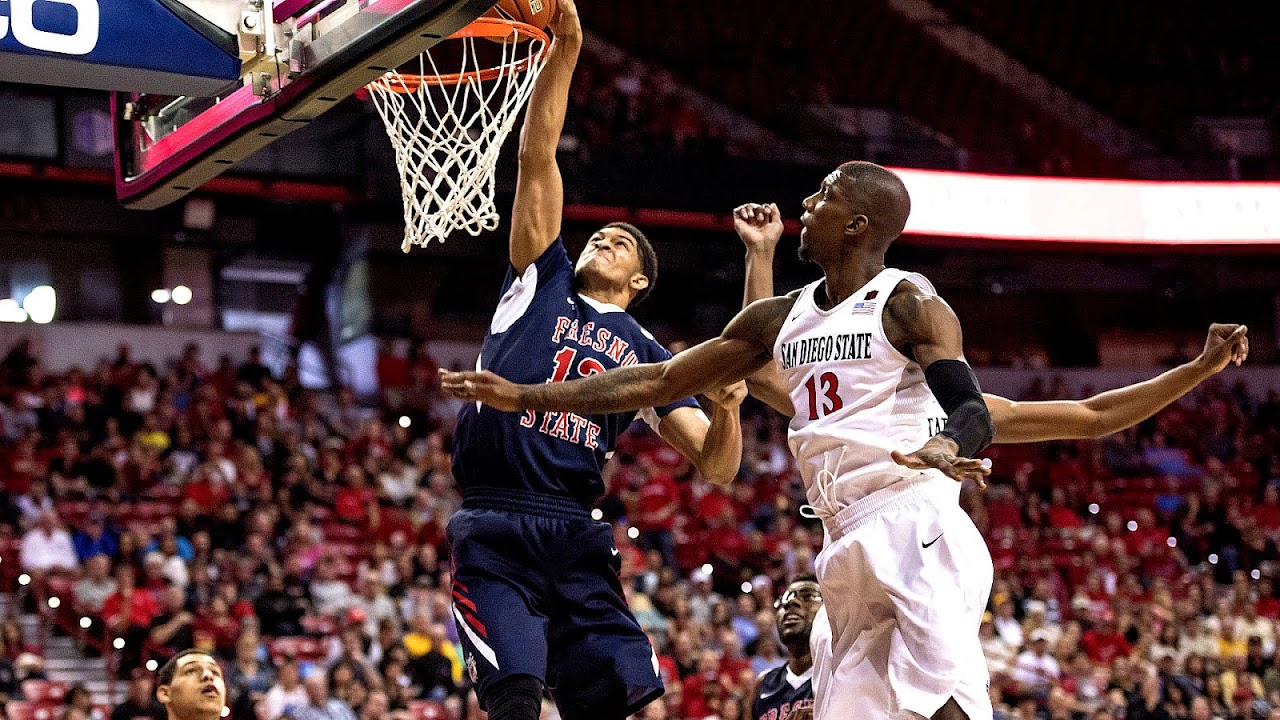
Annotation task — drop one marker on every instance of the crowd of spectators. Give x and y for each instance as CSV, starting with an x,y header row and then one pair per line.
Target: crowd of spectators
x,y
301,539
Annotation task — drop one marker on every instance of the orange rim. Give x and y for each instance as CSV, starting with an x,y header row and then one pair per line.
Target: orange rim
x,y
491,28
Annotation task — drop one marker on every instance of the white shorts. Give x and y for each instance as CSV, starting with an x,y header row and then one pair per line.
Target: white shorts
x,y
905,579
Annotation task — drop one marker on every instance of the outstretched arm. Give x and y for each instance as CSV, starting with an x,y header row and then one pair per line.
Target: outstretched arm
x,y
744,346
927,328
1115,410
539,203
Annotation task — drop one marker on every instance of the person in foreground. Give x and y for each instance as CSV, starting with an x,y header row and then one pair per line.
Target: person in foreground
x,y
536,593
786,691
760,228
864,353
190,687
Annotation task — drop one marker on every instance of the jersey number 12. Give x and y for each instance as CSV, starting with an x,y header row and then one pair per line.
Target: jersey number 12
x,y
828,385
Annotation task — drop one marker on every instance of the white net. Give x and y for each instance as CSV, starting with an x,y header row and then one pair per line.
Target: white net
x,y
447,131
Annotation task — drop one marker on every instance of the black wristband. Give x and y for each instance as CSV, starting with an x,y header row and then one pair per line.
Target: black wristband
x,y
971,427
968,421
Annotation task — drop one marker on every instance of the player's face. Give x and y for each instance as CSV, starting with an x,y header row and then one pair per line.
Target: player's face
x,y
611,256
827,214
197,690
796,609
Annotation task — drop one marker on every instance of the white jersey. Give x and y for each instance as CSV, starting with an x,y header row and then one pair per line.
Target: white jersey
x,y
856,397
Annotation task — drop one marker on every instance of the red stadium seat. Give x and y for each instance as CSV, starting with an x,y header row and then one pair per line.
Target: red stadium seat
x,y
44,691
31,710
334,531
426,710
321,625
302,648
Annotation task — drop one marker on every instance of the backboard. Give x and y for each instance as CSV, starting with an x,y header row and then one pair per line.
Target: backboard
x,y
297,59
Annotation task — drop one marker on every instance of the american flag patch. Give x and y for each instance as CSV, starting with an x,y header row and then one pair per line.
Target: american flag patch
x,y
863,308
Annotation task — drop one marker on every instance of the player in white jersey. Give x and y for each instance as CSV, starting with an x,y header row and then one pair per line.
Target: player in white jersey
x,y
760,227
905,574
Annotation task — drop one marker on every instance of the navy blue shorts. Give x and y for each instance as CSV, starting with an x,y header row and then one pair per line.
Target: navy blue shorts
x,y
539,594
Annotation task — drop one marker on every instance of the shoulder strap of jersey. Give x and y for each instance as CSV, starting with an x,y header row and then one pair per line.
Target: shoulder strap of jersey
x,y
915,278
804,302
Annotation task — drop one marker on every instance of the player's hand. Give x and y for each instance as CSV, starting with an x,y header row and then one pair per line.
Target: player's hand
x,y
1225,344
759,226
566,24
729,396
940,453
801,714
484,387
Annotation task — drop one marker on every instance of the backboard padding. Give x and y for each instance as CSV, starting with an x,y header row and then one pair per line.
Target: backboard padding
x,y
340,63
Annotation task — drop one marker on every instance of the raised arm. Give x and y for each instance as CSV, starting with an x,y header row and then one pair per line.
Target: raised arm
x,y
1116,410
539,203
744,347
760,228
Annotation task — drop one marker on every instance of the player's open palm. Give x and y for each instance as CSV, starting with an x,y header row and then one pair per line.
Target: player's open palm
x,y
759,226
940,453
483,387
1225,344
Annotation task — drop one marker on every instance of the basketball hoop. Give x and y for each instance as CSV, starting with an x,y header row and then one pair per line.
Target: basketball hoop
x,y
447,128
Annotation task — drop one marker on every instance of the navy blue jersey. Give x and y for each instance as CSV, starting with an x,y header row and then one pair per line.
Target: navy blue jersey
x,y
779,693
544,331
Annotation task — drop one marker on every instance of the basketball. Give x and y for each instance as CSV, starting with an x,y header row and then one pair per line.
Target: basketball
x,y
537,13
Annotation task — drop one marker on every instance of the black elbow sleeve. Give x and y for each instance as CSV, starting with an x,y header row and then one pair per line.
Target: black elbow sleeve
x,y
968,421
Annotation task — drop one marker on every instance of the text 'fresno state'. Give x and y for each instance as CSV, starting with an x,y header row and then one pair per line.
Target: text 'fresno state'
x,y
571,427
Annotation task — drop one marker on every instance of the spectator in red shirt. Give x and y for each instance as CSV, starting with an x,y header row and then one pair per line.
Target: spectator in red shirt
x,y
657,501
216,630
1105,643
208,489
355,498
128,614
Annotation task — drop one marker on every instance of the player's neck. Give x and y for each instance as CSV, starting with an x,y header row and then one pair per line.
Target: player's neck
x,y
800,662
607,296
849,273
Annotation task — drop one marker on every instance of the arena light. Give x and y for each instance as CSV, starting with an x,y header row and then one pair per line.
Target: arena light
x,y
160,296
1132,525
1213,558
1255,574
1171,542
1093,508
226,711
404,421
597,514
633,533
1005,207
152,665
85,623
54,602
181,295
11,312
118,643
40,303
706,568
746,587
24,579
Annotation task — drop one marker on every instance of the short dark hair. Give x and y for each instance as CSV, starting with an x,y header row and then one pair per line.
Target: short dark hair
x,y
166,672
648,258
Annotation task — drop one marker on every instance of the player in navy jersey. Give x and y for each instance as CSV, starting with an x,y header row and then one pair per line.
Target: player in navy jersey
x,y
786,692
536,591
